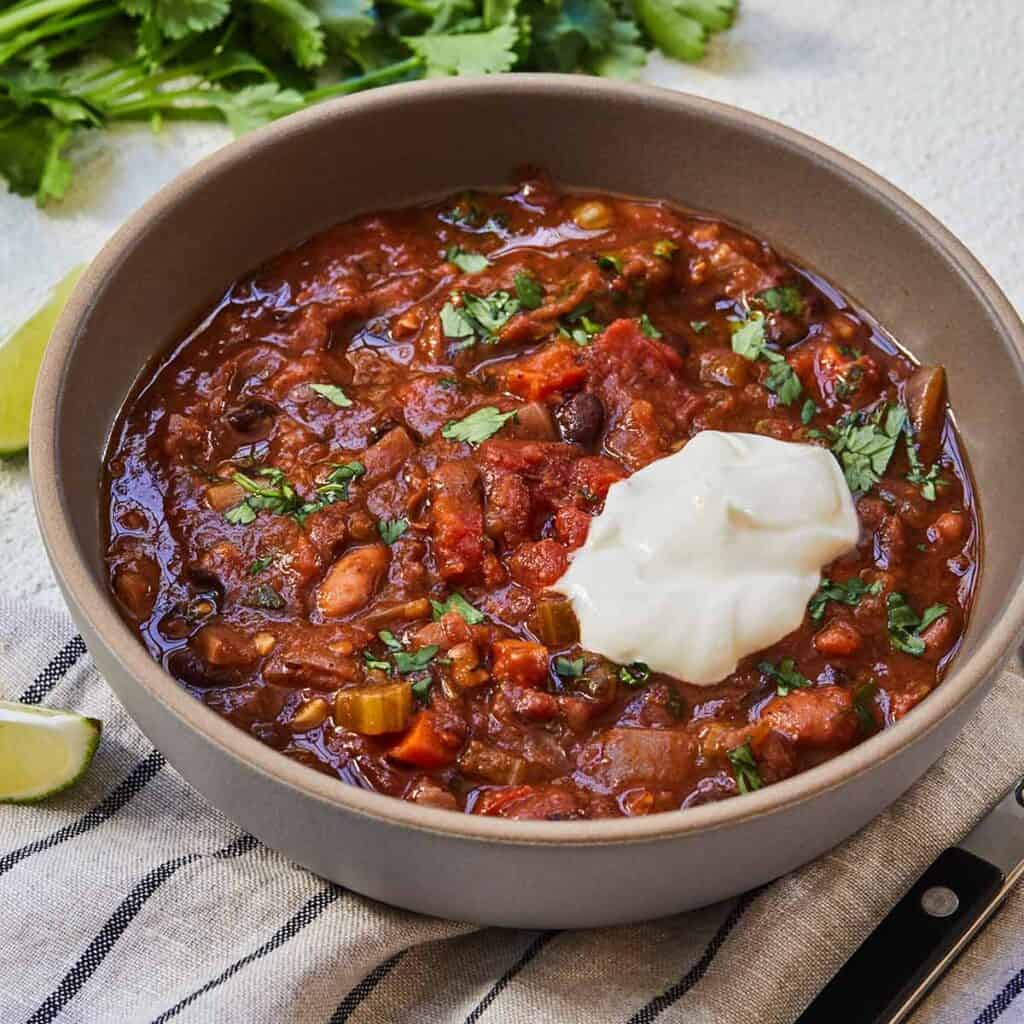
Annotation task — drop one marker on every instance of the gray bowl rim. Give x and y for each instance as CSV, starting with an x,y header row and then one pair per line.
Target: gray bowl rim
x,y
94,602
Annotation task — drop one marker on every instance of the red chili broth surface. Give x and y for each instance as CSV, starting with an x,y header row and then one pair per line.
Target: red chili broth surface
x,y
290,552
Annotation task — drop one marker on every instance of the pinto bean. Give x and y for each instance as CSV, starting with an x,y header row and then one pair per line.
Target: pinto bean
x,y
352,580
925,395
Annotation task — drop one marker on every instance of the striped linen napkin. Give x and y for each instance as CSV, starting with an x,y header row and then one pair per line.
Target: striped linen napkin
x,y
130,899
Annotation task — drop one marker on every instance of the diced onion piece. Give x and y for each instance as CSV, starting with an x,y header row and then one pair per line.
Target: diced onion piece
x,y
374,710
555,623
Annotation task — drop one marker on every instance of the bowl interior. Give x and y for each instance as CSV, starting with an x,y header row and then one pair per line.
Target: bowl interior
x,y
399,145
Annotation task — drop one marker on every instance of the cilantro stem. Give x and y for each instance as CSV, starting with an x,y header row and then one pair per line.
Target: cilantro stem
x,y
25,15
55,27
379,76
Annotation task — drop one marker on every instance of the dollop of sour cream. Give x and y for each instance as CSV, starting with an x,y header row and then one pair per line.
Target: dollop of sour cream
x,y
710,554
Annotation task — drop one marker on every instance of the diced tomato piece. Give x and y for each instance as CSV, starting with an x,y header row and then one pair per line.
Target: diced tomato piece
x,y
538,564
624,343
571,526
592,475
457,517
427,744
555,367
520,661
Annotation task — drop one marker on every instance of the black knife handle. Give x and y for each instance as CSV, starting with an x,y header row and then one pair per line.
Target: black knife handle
x,y
876,983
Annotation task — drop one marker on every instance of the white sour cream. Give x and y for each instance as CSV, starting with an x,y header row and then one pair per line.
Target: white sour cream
x,y
710,554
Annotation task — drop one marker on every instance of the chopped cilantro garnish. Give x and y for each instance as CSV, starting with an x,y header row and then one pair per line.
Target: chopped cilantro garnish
x,y
635,674
609,261
333,394
448,383
786,299
648,328
372,662
457,603
698,326
259,564
850,592
240,515
335,487
808,411
569,668
421,688
528,291
863,703
785,674
266,490
416,661
749,341
578,326
926,480
744,768
906,627
389,640
865,446
479,317
665,249
477,426
467,261
391,529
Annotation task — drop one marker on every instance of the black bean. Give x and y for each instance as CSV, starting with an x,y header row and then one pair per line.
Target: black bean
x,y
581,418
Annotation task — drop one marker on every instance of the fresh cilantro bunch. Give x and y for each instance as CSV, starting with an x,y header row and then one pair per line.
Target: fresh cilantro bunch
x,y
67,66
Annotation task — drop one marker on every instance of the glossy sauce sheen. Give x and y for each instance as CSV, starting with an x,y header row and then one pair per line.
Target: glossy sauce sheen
x,y
275,622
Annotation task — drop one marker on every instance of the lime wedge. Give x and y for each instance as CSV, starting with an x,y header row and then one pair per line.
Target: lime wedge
x,y
42,751
20,356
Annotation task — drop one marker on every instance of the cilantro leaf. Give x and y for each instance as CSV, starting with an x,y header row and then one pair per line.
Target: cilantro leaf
x,y
926,480
254,106
421,688
468,262
781,378
389,640
479,316
457,603
665,249
391,529
635,674
477,426
808,411
32,157
623,55
786,299
609,261
748,340
648,328
569,668
906,627
698,326
416,661
864,447
176,19
333,394
678,28
850,592
744,768
786,676
528,291
863,706
293,27
466,53
259,564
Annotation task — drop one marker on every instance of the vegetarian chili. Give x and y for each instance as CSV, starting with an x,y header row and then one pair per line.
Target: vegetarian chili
x,y
335,509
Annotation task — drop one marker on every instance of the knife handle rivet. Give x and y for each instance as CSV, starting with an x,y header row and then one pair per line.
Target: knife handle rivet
x,y
939,901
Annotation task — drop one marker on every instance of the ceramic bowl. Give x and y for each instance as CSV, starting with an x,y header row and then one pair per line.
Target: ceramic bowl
x,y
394,146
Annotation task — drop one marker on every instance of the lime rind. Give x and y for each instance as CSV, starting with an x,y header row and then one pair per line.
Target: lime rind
x,y
43,751
20,356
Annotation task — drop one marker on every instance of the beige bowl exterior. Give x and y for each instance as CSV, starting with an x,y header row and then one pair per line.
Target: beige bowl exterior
x,y
386,148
